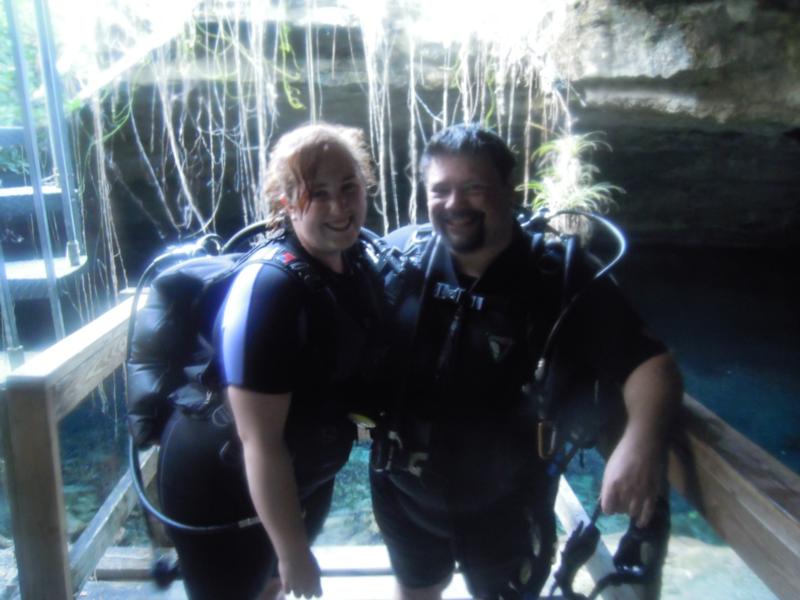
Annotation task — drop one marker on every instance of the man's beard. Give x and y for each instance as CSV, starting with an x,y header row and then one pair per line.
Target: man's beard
x,y
469,241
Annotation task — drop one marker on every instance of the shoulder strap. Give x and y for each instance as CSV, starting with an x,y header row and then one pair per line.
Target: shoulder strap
x,y
282,257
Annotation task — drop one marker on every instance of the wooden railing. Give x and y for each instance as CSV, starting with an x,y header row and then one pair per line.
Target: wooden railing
x,y
38,395
750,499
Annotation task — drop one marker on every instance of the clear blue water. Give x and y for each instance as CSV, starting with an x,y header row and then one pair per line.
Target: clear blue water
x,y
731,319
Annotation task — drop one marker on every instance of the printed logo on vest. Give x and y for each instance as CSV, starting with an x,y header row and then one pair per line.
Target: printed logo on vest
x,y
499,346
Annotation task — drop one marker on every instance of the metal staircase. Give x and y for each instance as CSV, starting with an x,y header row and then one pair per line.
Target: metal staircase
x,y
39,274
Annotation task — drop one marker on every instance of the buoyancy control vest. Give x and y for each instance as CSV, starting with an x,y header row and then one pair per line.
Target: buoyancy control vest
x,y
568,402
552,259
171,362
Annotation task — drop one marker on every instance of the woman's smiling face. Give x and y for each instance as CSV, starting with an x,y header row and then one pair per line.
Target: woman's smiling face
x,y
332,215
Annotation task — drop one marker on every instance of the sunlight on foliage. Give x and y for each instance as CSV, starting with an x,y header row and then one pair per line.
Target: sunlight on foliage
x,y
566,179
219,71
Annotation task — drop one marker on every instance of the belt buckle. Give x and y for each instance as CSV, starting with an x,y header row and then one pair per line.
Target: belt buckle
x,y
415,461
384,461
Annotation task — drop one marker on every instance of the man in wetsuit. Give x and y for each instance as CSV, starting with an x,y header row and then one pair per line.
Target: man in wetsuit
x,y
458,474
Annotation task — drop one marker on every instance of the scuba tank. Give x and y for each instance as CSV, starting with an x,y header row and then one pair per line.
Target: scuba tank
x,y
168,357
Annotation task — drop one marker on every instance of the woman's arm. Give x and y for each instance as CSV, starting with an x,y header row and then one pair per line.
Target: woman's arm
x,y
260,420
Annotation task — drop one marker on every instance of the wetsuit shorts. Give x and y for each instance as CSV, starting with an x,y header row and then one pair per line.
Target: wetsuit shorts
x,y
506,545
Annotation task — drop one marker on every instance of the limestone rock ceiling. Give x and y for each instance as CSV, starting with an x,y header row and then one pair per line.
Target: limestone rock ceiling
x,y
728,61
700,101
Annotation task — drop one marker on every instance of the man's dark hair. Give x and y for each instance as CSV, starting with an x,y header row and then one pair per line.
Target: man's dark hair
x,y
470,139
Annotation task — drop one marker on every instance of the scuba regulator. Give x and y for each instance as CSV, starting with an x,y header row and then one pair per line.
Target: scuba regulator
x,y
638,559
539,390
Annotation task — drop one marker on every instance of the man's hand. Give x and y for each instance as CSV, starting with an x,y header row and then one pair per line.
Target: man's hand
x,y
635,470
633,478
300,575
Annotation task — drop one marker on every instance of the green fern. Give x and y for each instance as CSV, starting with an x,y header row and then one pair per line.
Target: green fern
x,y
566,178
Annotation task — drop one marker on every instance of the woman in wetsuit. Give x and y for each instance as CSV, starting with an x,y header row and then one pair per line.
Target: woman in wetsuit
x,y
293,348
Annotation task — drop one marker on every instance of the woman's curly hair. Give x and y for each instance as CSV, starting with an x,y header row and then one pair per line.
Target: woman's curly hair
x,y
295,159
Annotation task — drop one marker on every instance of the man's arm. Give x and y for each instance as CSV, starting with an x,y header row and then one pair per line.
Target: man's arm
x,y
635,471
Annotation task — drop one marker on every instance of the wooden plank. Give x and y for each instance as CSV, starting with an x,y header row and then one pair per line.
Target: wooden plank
x,y
103,528
37,503
337,561
129,590
133,563
571,513
128,563
76,365
130,566
374,587
337,564
380,587
750,499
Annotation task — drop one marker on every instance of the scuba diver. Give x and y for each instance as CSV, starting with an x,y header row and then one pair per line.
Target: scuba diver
x,y
492,328
294,343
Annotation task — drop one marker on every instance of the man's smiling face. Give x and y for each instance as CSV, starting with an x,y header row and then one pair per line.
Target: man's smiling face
x,y
469,205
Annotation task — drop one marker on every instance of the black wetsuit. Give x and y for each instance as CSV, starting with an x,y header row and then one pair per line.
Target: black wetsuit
x,y
276,333
479,494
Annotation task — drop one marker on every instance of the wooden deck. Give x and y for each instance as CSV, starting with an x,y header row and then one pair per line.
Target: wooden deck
x,y
334,588
123,574
349,573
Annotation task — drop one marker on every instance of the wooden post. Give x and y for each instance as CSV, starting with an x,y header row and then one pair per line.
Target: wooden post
x,y
38,395
34,474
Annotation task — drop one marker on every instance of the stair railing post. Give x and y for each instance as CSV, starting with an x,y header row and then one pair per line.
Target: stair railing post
x,y
58,128
14,351
32,151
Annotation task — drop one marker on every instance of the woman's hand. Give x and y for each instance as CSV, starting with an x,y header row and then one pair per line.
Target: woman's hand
x,y
300,574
